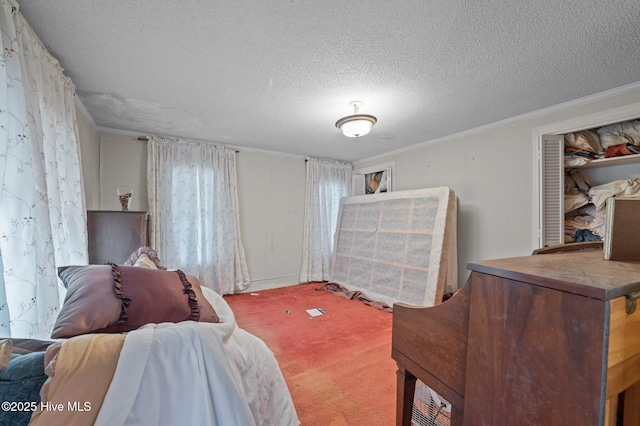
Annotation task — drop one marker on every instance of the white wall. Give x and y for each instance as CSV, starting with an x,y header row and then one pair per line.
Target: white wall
x,y
89,139
123,162
270,193
271,196
491,170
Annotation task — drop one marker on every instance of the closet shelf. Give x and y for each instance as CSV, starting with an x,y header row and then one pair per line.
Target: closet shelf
x,y
612,161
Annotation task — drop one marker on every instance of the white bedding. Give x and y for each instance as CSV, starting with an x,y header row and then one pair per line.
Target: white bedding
x,y
238,381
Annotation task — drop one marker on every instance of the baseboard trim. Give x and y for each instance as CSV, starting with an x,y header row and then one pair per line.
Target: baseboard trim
x,y
268,283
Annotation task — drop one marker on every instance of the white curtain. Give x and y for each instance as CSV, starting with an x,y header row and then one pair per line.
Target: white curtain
x,y
193,203
327,182
42,207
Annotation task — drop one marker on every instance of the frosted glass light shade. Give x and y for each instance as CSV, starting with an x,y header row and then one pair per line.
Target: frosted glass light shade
x,y
354,126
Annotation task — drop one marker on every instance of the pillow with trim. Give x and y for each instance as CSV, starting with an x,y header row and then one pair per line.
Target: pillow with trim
x,y
114,299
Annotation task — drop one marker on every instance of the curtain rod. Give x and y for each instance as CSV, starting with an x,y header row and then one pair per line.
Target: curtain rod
x,y
146,138
347,163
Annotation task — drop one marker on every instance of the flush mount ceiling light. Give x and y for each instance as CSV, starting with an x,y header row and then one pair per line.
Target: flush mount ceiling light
x,y
356,125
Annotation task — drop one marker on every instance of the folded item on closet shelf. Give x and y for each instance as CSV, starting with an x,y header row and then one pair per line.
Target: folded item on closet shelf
x,y
586,218
573,161
575,223
600,193
574,201
619,133
577,152
621,150
588,140
586,235
569,184
598,226
579,181
587,210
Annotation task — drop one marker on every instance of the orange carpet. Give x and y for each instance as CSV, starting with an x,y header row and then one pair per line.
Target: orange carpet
x,y
338,365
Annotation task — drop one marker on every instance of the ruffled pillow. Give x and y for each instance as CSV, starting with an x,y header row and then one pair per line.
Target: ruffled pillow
x,y
114,299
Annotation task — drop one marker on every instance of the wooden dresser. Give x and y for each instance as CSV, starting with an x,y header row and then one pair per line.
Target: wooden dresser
x,y
114,235
537,340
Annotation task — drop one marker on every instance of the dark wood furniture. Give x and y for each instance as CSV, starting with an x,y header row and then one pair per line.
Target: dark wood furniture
x,y
561,248
114,235
534,340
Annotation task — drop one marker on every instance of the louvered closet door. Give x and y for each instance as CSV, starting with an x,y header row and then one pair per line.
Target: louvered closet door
x,y
552,190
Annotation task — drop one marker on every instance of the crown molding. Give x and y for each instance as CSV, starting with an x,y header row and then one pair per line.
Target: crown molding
x,y
621,90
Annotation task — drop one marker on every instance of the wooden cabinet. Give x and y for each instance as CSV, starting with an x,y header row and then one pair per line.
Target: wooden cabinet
x,y
114,235
536,340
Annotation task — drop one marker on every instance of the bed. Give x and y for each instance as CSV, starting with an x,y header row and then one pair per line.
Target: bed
x,y
197,367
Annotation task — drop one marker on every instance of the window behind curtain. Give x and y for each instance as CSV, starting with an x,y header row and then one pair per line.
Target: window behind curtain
x,y
193,204
327,182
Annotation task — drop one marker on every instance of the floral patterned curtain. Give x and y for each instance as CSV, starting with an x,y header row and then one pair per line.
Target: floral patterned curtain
x,y
42,207
193,204
327,182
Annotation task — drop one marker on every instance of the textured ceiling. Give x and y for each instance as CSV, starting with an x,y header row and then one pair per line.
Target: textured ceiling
x,y
277,74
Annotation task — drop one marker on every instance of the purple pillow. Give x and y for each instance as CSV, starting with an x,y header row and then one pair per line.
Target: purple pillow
x,y
114,299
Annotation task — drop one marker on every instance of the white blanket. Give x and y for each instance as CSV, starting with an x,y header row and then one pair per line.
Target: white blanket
x,y
194,373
